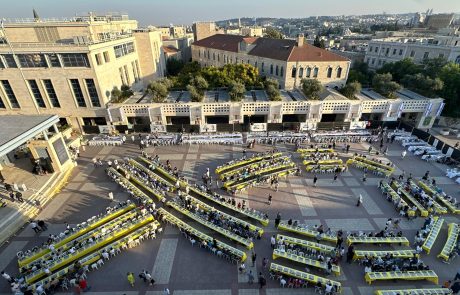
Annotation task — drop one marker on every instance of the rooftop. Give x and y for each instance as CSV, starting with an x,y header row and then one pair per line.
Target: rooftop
x,y
279,49
17,129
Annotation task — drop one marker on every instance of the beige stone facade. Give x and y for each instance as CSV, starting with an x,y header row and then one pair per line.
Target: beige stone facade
x,y
69,68
331,72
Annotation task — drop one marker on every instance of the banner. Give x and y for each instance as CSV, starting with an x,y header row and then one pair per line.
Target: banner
x,y
208,128
400,110
157,128
358,125
105,129
307,126
258,127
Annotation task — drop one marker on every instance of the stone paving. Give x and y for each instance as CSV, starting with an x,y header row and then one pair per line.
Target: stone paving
x,y
188,270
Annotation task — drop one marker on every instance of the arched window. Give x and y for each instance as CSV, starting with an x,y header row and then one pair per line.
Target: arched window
x,y
249,62
263,67
199,53
315,72
209,55
339,72
300,72
218,57
255,64
271,69
329,72
308,74
293,72
282,71
213,56
277,70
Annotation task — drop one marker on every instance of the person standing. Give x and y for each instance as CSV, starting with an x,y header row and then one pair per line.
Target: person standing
x,y
270,199
315,179
360,200
403,154
364,177
265,262
111,196
335,177
6,277
277,219
130,278
34,226
348,148
262,280
166,291
273,242
250,277
253,258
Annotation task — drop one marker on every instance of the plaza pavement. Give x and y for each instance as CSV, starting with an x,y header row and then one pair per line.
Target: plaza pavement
x,y
188,270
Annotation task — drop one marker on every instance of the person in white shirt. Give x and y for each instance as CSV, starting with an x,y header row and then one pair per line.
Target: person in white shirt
x,y
328,288
6,276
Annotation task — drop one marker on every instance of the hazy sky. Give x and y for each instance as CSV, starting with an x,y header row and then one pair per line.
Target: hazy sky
x,y
162,12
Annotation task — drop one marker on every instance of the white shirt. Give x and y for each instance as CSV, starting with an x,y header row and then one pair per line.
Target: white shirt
x,y
6,276
273,240
328,288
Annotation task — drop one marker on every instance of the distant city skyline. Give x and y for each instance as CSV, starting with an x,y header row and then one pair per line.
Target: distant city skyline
x,y
155,12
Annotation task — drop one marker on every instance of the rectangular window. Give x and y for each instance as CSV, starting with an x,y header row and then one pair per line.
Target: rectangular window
x,y
10,94
36,93
133,66
123,49
78,93
32,60
51,93
400,51
106,56
137,70
315,73
376,49
2,66
128,80
370,48
394,51
10,61
54,60
122,77
74,60
98,59
425,55
412,53
94,97
2,104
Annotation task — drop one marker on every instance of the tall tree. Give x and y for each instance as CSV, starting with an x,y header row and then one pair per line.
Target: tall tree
x,y
312,88
236,91
273,33
384,84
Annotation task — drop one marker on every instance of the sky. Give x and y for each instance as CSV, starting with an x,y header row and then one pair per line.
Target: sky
x,y
164,12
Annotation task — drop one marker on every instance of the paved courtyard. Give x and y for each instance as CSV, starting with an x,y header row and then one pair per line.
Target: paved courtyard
x,y
188,270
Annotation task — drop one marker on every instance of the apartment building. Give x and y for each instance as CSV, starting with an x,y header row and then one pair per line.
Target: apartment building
x,y
381,51
286,60
69,67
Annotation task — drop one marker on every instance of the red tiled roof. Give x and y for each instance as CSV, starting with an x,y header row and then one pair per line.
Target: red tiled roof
x,y
170,49
309,52
280,49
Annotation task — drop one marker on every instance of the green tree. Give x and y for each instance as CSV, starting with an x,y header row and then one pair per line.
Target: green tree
x,y
158,91
450,75
115,94
319,43
245,73
126,91
272,89
236,91
174,66
273,33
195,95
384,84
423,84
190,70
400,69
351,89
432,66
200,83
311,88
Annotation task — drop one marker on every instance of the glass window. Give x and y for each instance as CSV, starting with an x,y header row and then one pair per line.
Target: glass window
x,y
75,60
426,54
106,56
78,93
376,49
54,60
36,93
32,60
123,49
94,97
400,51
315,73
293,72
412,53
10,94
271,69
263,67
2,104
282,71
51,93
308,74
10,61
98,58
2,66
300,72
394,51
329,72
277,71
339,72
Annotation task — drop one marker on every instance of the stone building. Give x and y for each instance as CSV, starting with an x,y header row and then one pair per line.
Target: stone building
x,y
286,60
69,67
